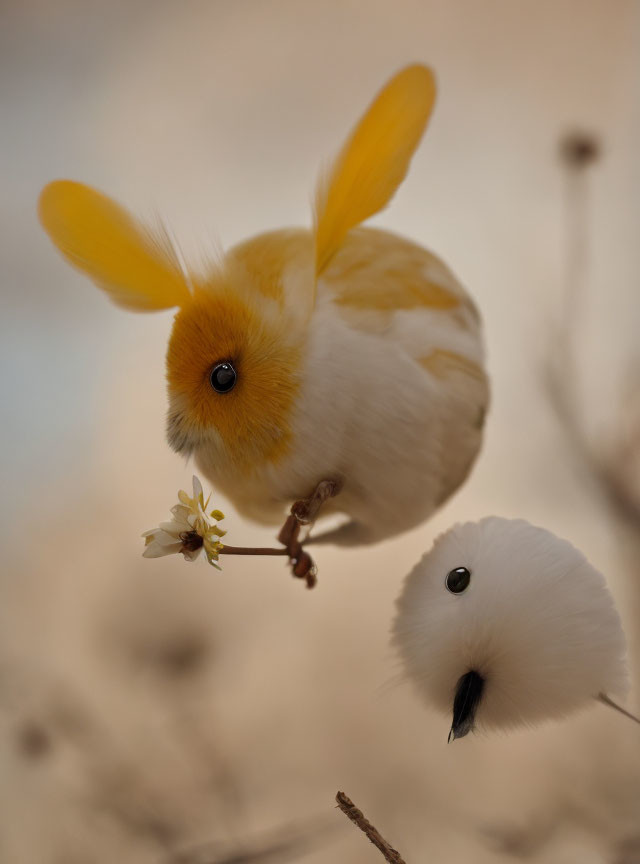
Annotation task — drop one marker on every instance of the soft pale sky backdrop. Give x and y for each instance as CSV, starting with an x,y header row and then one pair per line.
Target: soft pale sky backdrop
x,y
218,115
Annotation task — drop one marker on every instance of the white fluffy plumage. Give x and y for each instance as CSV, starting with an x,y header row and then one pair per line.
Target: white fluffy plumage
x,y
536,622
400,435
353,355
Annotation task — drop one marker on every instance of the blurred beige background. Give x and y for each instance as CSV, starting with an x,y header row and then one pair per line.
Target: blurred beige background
x,y
149,707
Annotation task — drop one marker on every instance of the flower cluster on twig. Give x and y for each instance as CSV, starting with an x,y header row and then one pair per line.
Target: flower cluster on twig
x,y
190,530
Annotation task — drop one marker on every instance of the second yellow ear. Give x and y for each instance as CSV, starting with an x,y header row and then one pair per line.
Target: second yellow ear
x,y
136,269
374,160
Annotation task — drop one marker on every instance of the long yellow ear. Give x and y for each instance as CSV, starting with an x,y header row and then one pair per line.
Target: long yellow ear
x,y
374,160
137,270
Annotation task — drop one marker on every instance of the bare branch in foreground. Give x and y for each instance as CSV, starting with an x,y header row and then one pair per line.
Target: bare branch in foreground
x,y
357,817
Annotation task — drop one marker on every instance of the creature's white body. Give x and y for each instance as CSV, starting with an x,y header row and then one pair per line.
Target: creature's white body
x,y
537,622
365,354
400,434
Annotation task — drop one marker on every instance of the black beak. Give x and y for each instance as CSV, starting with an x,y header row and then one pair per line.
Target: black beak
x,y
468,695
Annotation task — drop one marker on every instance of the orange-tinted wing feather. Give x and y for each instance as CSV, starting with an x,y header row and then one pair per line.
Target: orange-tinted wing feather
x,y
374,160
137,269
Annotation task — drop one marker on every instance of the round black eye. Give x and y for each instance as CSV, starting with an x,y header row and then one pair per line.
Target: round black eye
x,y
223,377
458,580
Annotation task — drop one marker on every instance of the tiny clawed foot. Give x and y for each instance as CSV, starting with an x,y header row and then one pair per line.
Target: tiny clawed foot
x,y
304,568
307,509
290,531
304,512
302,565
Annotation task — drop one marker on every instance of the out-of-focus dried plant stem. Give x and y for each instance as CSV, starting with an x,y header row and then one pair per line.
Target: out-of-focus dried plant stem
x,y
607,463
358,818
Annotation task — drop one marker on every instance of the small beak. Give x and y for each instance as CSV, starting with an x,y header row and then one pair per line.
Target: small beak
x,y
465,704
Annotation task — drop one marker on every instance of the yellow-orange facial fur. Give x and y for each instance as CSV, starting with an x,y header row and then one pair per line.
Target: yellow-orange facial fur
x,y
251,420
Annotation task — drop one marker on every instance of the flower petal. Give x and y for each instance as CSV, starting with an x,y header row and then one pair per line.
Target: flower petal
x,y
166,538
184,498
180,512
156,550
198,493
189,515
173,527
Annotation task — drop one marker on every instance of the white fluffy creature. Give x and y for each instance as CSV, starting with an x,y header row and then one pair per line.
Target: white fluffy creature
x,y
506,624
343,354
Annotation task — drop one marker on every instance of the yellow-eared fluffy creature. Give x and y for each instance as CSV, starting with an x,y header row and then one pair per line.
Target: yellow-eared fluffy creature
x,y
506,625
339,353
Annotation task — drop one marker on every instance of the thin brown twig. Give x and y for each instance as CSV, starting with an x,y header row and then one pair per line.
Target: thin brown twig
x,y
302,564
252,550
357,817
303,512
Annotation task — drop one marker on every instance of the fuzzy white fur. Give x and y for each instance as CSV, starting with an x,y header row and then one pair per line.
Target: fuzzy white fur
x,y
537,622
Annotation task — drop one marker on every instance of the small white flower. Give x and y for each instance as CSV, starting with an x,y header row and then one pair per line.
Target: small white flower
x,y
189,530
